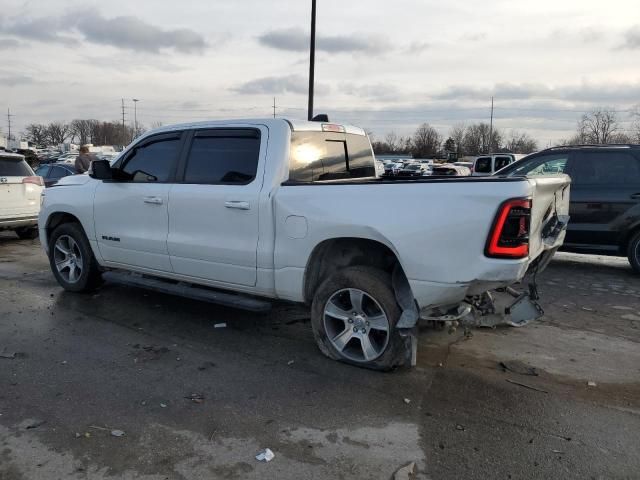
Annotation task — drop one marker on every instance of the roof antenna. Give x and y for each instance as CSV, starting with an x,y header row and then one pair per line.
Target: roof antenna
x,y
321,117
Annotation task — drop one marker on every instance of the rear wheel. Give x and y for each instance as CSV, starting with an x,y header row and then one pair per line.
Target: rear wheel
x,y
27,233
71,259
354,314
633,252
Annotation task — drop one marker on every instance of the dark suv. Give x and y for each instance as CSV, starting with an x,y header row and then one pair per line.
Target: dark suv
x,y
605,195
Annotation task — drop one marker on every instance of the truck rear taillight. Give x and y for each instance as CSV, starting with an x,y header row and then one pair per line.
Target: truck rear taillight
x,y
34,180
509,237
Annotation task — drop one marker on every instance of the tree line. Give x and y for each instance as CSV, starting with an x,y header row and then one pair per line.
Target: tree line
x,y
600,126
82,131
474,139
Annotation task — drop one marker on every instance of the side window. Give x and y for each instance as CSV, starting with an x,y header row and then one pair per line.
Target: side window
x,y
153,161
501,162
223,157
542,165
42,171
57,173
605,168
483,165
361,163
334,160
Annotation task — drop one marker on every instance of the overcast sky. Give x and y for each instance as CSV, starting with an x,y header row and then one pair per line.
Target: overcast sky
x,y
385,65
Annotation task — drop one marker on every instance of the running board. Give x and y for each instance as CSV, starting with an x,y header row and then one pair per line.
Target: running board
x,y
181,289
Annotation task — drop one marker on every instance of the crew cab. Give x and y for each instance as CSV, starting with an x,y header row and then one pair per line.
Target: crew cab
x,y
20,192
252,210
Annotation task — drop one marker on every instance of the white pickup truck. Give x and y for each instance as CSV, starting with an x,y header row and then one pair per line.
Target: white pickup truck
x,y
243,211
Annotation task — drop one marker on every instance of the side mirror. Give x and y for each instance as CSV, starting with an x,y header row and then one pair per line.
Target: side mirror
x,y
100,170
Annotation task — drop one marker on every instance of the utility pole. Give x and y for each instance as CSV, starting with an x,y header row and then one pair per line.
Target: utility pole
x,y
135,116
124,131
491,127
274,107
9,125
312,58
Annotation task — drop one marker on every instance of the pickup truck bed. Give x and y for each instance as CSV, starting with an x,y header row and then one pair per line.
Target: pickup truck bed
x,y
292,210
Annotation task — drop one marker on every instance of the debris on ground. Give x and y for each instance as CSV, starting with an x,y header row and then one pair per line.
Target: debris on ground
x,y
220,325
407,401
117,433
591,383
9,355
265,456
290,362
526,386
34,424
407,472
196,397
587,309
460,427
206,365
163,405
516,366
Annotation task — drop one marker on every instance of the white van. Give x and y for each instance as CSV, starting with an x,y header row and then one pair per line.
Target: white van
x,y
489,164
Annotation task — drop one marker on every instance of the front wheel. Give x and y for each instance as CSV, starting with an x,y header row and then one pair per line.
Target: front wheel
x,y
633,252
71,259
354,315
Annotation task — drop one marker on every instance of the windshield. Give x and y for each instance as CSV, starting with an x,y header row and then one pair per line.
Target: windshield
x,y
14,168
413,167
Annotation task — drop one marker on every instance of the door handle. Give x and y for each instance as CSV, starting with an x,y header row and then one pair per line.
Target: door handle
x,y
238,205
153,200
635,196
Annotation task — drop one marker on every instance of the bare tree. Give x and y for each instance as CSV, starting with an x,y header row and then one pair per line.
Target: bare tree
x,y
476,139
391,139
520,142
599,126
156,124
457,133
635,125
36,133
426,141
81,131
58,132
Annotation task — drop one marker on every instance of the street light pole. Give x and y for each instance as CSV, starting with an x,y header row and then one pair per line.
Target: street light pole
x,y
135,116
312,58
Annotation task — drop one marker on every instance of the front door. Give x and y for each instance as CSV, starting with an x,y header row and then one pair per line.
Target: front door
x,y
604,186
130,212
214,209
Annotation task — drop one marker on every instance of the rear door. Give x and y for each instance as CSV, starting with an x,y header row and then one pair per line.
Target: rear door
x,y
605,187
214,209
17,198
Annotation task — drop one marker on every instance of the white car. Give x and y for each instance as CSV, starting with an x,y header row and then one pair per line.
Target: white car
x,y
68,158
292,210
20,191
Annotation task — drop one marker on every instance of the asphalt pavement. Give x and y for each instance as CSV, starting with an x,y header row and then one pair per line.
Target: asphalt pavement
x,y
126,383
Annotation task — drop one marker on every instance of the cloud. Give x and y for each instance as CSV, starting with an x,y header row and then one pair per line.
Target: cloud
x,y
632,38
474,37
280,85
378,91
13,80
124,32
296,40
418,47
589,93
9,43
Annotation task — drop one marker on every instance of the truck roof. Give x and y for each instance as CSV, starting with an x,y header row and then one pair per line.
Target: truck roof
x,y
295,125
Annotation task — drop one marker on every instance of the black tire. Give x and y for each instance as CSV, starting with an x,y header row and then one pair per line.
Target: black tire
x,y
27,233
377,285
633,252
90,277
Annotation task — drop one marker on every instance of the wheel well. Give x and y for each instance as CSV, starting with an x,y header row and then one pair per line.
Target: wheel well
x,y
331,255
58,218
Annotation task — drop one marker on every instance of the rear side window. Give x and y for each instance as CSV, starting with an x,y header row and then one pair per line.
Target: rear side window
x,y
502,162
317,156
483,165
58,172
153,161
223,157
606,168
542,165
14,168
